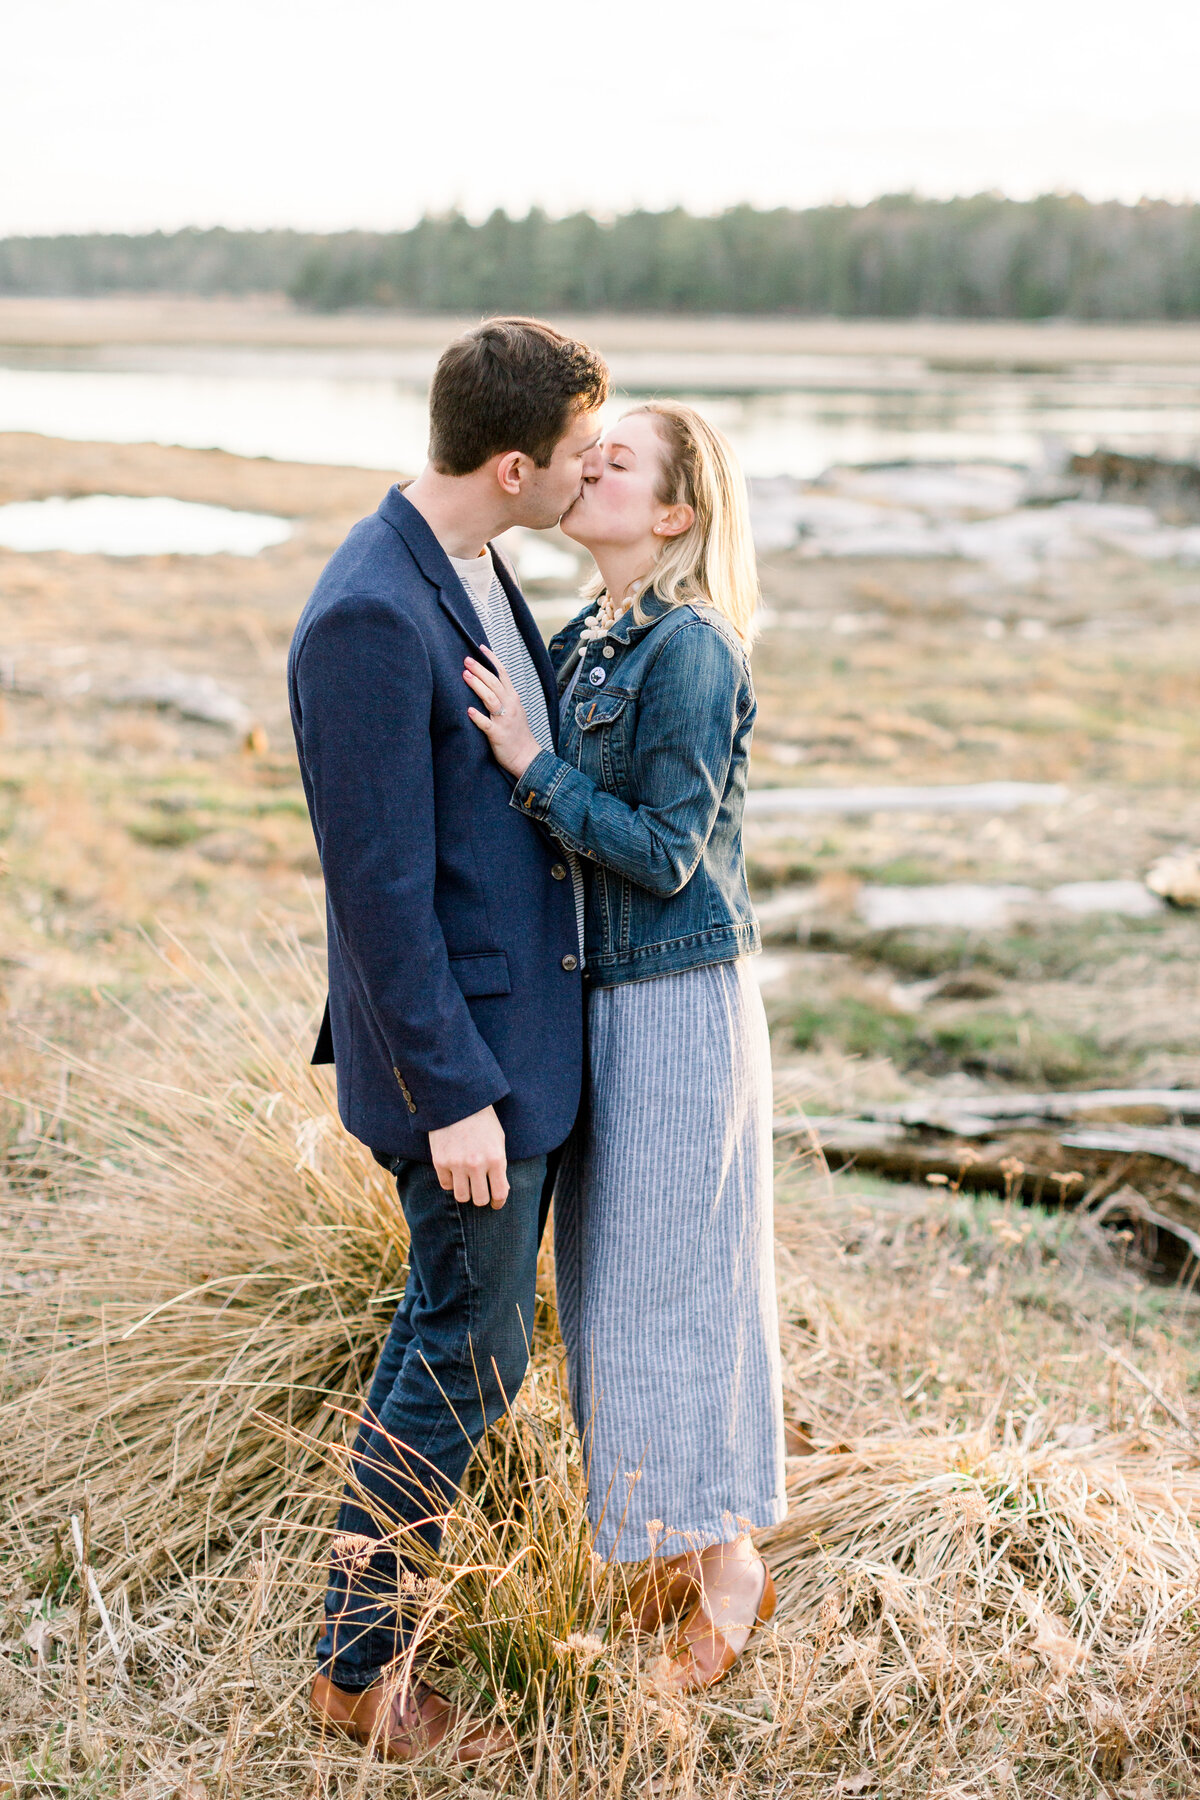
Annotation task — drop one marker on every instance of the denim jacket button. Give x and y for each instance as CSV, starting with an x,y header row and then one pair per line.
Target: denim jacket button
x,y
608,651
597,677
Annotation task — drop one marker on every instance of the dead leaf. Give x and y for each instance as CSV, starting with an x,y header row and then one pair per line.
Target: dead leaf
x,y
797,1438
1075,1437
1054,1644
39,1635
166,1783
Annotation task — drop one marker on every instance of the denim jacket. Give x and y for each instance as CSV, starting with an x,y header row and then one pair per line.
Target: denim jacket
x,y
648,787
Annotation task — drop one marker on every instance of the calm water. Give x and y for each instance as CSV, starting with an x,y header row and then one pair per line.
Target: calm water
x,y
787,415
122,525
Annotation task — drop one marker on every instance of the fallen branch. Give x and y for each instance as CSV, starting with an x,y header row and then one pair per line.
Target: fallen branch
x,y
1180,1147
971,1116
1128,1203
978,796
995,1143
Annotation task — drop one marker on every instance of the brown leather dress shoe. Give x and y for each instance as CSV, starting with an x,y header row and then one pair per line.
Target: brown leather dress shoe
x,y
401,1724
661,1591
700,1655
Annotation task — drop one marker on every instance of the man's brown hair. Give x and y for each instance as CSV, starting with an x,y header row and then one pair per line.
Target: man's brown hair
x,y
510,384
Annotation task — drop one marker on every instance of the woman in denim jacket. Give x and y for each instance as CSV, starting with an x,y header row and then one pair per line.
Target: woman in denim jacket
x,y
663,1208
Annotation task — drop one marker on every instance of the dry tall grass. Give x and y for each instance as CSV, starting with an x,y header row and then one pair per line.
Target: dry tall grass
x,y
989,1576
199,1251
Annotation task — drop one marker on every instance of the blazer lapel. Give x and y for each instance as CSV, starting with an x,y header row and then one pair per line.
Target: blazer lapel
x,y
452,597
433,563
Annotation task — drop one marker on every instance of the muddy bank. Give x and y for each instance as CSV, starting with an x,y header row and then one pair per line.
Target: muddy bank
x,y
963,344
32,467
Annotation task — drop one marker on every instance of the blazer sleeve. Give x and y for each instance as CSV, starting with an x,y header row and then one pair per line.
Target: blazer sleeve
x,y
364,692
692,704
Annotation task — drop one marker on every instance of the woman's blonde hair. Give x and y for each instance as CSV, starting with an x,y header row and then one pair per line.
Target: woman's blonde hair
x,y
712,562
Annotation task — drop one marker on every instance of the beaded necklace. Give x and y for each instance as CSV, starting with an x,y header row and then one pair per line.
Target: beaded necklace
x,y
601,622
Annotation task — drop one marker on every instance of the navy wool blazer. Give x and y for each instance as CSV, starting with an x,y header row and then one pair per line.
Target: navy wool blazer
x,y
453,954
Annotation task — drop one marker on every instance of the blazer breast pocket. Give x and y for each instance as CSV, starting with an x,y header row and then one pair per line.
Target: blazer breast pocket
x,y
478,976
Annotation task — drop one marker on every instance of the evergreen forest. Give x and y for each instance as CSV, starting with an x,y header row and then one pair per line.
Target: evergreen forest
x,y
898,257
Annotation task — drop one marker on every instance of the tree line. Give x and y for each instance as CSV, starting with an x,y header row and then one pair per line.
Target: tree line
x,y
897,257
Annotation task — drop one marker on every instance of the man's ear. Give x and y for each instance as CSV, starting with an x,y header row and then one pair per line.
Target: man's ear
x,y
675,521
509,471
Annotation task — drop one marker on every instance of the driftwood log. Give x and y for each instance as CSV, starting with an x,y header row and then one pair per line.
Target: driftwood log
x,y
1123,1153
1172,487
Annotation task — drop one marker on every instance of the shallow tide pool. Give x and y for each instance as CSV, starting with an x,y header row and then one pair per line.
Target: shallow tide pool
x,y
120,525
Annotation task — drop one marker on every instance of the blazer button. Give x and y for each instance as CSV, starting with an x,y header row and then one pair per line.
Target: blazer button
x,y
570,963
559,871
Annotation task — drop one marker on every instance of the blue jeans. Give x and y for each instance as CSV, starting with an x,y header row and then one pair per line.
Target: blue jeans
x,y
454,1357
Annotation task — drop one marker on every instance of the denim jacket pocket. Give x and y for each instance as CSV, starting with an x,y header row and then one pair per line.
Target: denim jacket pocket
x,y
599,709
603,722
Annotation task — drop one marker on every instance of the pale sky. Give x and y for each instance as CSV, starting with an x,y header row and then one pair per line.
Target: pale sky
x,y
136,114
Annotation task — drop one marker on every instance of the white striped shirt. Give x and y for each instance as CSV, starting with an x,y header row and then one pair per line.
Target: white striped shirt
x,y
491,603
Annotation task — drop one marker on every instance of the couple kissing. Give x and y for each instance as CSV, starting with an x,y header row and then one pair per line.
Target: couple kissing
x,y
539,933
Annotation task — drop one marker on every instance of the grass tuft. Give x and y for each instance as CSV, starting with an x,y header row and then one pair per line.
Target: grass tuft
x,y
198,1253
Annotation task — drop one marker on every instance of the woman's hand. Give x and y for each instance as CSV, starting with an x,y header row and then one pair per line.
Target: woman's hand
x,y
504,723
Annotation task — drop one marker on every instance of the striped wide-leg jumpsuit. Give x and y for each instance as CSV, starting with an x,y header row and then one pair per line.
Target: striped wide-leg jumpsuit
x,y
665,1266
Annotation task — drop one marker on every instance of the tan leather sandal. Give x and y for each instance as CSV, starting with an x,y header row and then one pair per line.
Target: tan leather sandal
x,y
700,1655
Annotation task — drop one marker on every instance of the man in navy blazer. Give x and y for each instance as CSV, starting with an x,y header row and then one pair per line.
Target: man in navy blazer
x,y
455,1001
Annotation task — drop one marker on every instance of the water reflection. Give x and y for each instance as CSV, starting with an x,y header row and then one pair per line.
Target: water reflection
x,y
118,525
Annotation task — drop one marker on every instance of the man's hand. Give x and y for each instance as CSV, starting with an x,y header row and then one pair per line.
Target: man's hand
x,y
469,1158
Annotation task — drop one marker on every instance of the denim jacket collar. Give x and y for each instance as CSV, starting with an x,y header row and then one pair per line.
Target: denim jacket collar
x,y
565,646
628,629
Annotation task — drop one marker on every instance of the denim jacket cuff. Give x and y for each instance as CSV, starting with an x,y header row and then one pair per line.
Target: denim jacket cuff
x,y
538,785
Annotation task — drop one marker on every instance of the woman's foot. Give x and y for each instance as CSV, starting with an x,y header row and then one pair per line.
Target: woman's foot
x,y
663,1589
736,1595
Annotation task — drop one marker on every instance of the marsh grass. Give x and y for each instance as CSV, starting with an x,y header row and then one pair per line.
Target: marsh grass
x,y
1009,1046
1048,951
989,1578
